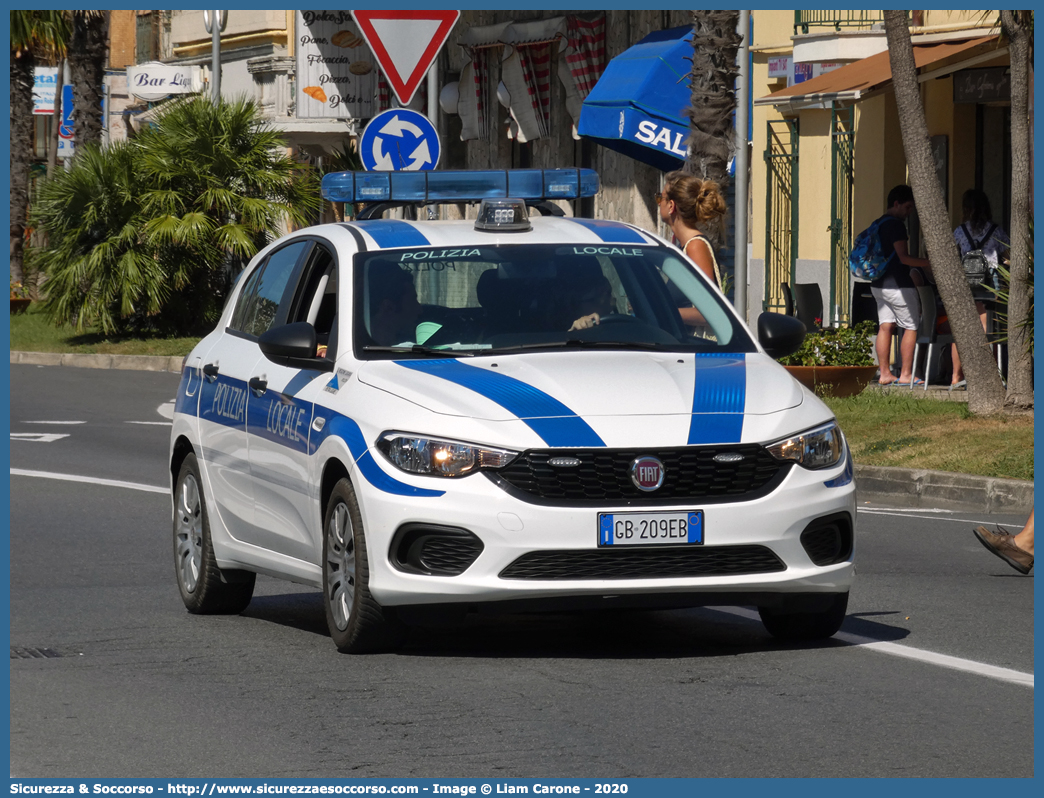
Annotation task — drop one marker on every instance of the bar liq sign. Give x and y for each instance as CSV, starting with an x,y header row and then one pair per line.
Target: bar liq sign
x,y
336,72
154,81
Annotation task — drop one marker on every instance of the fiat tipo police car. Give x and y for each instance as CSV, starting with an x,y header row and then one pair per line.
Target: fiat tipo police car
x,y
525,410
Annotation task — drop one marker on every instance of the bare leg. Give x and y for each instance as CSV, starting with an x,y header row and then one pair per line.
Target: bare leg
x,y
958,372
884,351
906,351
1024,540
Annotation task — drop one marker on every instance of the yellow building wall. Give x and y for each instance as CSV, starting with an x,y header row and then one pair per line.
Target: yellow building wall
x,y
814,183
772,32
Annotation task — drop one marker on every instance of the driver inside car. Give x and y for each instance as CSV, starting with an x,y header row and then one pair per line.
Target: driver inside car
x,y
595,301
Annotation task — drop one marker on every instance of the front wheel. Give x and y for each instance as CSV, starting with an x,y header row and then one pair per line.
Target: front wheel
x,y
205,588
357,623
818,623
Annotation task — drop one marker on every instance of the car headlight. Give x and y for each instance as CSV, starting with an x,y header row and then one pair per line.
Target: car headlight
x,y
416,454
821,447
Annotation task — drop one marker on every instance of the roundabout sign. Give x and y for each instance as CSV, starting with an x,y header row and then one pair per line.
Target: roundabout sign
x,y
399,140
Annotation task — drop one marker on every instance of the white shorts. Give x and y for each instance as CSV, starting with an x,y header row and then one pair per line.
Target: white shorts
x,y
900,306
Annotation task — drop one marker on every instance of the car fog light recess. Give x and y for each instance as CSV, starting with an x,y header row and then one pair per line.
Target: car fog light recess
x,y
417,454
821,447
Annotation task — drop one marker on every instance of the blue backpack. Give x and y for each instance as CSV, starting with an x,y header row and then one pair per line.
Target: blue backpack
x,y
866,260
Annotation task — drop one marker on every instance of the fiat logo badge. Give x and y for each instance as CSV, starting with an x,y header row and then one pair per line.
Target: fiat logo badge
x,y
647,473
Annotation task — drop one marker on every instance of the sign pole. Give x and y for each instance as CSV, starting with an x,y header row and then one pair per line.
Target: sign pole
x,y
214,22
215,59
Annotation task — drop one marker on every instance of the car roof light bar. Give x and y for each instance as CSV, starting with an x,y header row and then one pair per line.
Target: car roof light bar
x,y
461,185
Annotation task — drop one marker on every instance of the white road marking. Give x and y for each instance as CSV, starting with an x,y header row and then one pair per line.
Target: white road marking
x,y
911,510
907,514
151,423
54,422
37,437
166,410
909,652
112,483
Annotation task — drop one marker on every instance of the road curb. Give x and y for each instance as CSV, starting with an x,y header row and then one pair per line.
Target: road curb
x,y
924,488
917,487
127,362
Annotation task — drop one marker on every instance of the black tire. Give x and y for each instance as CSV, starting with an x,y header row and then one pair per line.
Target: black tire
x,y
357,623
205,588
792,624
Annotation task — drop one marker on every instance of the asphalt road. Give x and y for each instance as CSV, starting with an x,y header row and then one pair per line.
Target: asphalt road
x,y
110,677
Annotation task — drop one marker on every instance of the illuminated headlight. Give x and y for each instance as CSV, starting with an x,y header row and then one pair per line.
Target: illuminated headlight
x,y
432,457
818,448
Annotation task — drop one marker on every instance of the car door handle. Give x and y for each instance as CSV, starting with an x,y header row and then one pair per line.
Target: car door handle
x,y
210,371
258,386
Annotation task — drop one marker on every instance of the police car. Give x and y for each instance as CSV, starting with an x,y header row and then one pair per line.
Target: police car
x,y
525,410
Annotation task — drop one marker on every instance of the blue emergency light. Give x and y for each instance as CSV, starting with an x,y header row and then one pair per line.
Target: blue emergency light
x,y
460,185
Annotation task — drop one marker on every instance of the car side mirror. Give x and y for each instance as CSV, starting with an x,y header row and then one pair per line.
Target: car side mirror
x,y
780,335
293,345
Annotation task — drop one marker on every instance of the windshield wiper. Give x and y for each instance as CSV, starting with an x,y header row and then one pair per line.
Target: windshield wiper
x,y
417,349
579,344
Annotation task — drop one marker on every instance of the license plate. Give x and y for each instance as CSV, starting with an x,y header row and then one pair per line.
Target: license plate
x,y
650,529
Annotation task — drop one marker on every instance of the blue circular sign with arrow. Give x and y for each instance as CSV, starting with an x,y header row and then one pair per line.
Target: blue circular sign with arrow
x,y
399,140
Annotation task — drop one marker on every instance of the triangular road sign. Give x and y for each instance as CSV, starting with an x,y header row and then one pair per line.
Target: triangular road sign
x,y
405,44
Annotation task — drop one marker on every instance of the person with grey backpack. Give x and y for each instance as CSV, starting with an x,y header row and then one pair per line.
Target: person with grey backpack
x,y
982,243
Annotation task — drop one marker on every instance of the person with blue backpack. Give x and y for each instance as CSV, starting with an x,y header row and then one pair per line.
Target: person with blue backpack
x,y
881,255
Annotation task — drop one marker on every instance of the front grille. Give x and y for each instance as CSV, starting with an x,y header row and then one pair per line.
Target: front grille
x,y
604,475
644,563
450,556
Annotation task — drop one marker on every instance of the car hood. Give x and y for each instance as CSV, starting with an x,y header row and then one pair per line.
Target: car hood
x,y
554,387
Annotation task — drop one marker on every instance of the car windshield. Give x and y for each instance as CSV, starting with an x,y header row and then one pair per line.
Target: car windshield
x,y
481,299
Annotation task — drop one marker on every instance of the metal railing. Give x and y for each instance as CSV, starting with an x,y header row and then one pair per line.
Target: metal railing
x,y
781,205
842,137
836,19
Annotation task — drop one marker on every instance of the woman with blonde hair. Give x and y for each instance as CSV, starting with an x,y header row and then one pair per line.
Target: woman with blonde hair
x,y
692,207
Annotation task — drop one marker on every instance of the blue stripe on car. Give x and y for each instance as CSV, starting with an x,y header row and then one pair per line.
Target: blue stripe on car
x,y
187,398
287,422
718,398
612,232
390,233
347,430
280,418
545,415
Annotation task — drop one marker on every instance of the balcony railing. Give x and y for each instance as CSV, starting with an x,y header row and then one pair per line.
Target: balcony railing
x,y
803,20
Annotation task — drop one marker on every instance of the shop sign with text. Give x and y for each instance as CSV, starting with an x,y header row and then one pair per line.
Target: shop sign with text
x,y
336,73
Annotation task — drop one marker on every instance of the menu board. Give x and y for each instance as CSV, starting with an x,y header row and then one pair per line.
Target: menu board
x,y
336,72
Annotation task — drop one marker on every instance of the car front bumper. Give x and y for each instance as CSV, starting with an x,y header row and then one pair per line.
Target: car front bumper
x,y
510,528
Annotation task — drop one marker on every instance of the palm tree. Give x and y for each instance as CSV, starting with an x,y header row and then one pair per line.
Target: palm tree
x,y
35,36
88,53
715,43
985,390
145,235
1018,27
100,269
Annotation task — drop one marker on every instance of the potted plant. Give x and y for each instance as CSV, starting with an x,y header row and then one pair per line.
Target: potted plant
x,y
835,361
19,297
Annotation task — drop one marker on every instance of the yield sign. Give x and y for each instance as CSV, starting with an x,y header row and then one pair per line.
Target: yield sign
x,y
405,44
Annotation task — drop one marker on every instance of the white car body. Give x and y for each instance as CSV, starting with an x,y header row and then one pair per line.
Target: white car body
x,y
263,458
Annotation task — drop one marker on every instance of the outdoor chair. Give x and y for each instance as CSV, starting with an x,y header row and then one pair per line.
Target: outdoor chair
x,y
808,302
788,299
928,333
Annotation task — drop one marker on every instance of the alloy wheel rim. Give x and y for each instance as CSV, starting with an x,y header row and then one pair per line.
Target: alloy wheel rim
x,y
189,533
340,566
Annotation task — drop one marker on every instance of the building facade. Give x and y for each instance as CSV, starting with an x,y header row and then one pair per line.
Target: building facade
x,y
261,57
827,145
